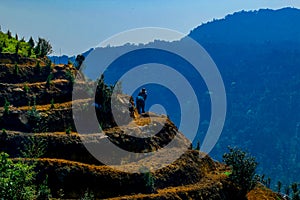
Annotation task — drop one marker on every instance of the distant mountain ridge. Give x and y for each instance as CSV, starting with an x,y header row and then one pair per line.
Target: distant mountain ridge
x,y
64,59
241,27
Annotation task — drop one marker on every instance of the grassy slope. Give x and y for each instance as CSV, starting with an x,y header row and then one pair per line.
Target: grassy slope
x,y
11,43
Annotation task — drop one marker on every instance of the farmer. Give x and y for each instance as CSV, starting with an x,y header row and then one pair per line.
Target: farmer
x,y
140,101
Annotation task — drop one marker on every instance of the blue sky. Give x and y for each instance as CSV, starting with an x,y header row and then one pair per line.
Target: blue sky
x,y
74,26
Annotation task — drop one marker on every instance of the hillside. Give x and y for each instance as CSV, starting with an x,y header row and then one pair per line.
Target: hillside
x,y
257,54
38,127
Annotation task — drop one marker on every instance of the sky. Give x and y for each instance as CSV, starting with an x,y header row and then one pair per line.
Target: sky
x,y
73,27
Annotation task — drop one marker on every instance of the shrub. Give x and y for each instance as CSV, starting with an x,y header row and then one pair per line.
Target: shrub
x,y
296,191
35,121
16,179
70,76
34,147
26,88
16,69
68,131
49,80
243,169
6,107
88,195
149,180
44,191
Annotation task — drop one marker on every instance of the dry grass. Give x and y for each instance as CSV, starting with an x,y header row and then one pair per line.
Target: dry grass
x,y
260,192
46,107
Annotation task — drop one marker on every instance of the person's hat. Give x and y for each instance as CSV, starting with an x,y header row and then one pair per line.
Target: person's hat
x,y
144,89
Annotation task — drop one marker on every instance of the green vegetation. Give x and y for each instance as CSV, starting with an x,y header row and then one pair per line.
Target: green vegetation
x,y
35,121
103,98
8,44
228,173
6,107
13,45
16,179
16,69
296,191
149,179
70,77
243,169
26,88
68,131
43,48
44,191
88,195
34,148
49,80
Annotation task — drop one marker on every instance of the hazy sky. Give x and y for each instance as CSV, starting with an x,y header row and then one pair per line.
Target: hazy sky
x,y
73,26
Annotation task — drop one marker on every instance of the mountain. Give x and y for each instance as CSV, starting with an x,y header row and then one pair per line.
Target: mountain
x,y
257,54
65,59
261,77
244,28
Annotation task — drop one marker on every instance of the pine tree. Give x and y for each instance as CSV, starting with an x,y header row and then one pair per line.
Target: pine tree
x,y
8,34
31,42
17,48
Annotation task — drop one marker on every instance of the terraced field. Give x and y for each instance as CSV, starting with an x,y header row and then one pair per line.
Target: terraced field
x,y
36,117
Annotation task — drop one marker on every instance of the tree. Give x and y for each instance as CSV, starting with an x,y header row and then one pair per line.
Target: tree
x,y
31,42
79,60
198,146
43,48
243,169
17,48
8,34
29,51
17,38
